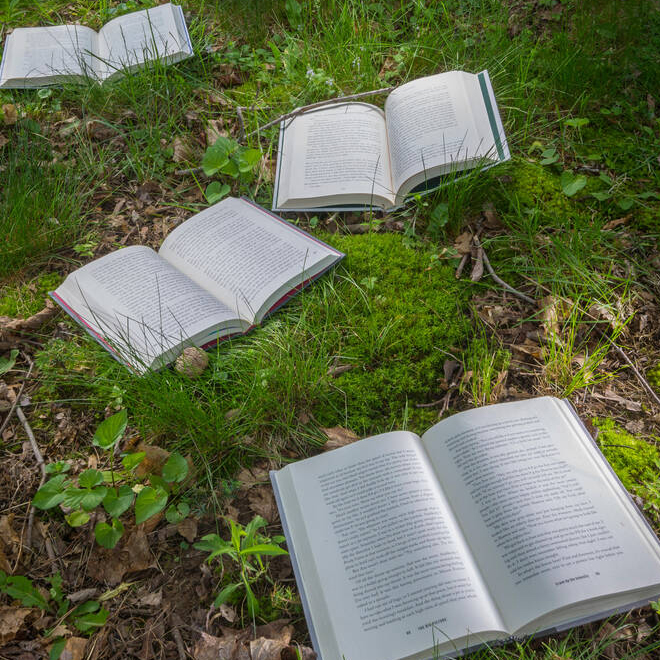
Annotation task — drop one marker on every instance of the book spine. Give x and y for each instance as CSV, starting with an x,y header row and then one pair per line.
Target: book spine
x,y
278,167
185,27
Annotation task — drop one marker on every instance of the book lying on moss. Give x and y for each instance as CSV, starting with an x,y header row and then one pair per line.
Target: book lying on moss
x,y
38,56
216,275
500,521
354,155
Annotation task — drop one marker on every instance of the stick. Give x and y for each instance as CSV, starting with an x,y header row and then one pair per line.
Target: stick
x,y
241,123
18,396
40,462
320,104
501,282
190,170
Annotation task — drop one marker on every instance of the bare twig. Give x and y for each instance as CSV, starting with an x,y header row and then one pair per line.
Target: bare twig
x,y
500,281
241,123
190,170
18,396
320,104
40,462
461,266
179,643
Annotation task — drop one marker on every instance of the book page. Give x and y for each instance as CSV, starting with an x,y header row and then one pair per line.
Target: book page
x,y
49,53
130,40
243,255
383,563
430,125
334,155
142,304
547,524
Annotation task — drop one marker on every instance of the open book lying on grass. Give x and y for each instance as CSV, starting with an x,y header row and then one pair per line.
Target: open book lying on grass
x,y
216,275
500,521
34,57
355,155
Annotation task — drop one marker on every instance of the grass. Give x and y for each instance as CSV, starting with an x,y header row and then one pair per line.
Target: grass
x,y
575,84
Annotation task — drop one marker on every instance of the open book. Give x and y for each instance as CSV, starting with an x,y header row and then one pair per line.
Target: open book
x,y
34,57
355,155
500,521
216,275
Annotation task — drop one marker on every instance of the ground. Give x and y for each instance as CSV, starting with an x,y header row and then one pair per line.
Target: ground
x,y
411,327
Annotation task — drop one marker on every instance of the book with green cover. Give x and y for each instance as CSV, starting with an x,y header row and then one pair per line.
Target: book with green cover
x,y
355,155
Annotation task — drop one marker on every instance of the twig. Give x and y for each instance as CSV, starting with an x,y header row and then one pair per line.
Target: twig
x,y
18,396
461,265
179,643
40,462
241,124
190,170
500,281
320,104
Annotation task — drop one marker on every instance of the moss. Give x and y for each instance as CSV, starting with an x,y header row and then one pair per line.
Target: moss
x,y
28,299
635,461
534,185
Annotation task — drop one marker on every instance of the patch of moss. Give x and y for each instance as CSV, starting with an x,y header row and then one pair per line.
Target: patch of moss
x,y
636,462
28,299
534,185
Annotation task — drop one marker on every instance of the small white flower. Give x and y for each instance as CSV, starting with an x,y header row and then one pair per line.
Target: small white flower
x,y
310,73
329,82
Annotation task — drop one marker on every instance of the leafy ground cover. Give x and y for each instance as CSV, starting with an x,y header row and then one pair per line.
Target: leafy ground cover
x,y
411,327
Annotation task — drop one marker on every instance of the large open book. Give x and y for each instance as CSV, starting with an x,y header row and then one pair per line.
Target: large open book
x,y
500,521
216,275
355,155
34,57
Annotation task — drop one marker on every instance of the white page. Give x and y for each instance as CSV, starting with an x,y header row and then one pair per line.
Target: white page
x,y
139,301
243,254
383,562
337,153
546,525
49,52
430,124
130,40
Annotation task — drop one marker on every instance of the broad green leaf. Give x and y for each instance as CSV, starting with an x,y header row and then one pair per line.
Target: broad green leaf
x,y
601,196
110,430
230,168
577,122
251,529
549,156
175,514
131,461
8,363
264,549
73,497
92,498
571,183
116,502
51,493
217,155
77,518
440,215
108,535
148,503
59,467
226,594
57,648
90,478
252,602
213,544
215,191
626,203
247,159
21,588
175,468
86,608
91,621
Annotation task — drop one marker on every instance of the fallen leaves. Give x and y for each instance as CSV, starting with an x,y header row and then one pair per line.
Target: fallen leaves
x,y
338,436
133,554
11,622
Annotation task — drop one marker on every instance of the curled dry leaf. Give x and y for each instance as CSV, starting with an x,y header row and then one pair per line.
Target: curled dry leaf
x,y
132,555
74,649
262,502
214,130
463,243
338,436
9,113
188,529
182,149
153,461
192,362
11,622
478,266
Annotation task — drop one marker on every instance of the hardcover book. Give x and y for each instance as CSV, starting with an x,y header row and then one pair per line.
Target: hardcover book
x,y
39,56
216,275
499,521
355,155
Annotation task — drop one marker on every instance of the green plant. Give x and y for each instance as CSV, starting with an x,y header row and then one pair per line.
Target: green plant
x,y
96,488
485,366
86,617
226,156
246,548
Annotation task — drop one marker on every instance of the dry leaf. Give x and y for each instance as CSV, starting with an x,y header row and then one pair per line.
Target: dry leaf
x,y
11,621
249,477
153,599
491,220
338,436
266,649
298,652
99,130
227,612
132,555
449,368
9,113
74,649
183,151
339,369
215,648
262,502
613,224
214,130
188,529
463,243
153,461
478,266
3,140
